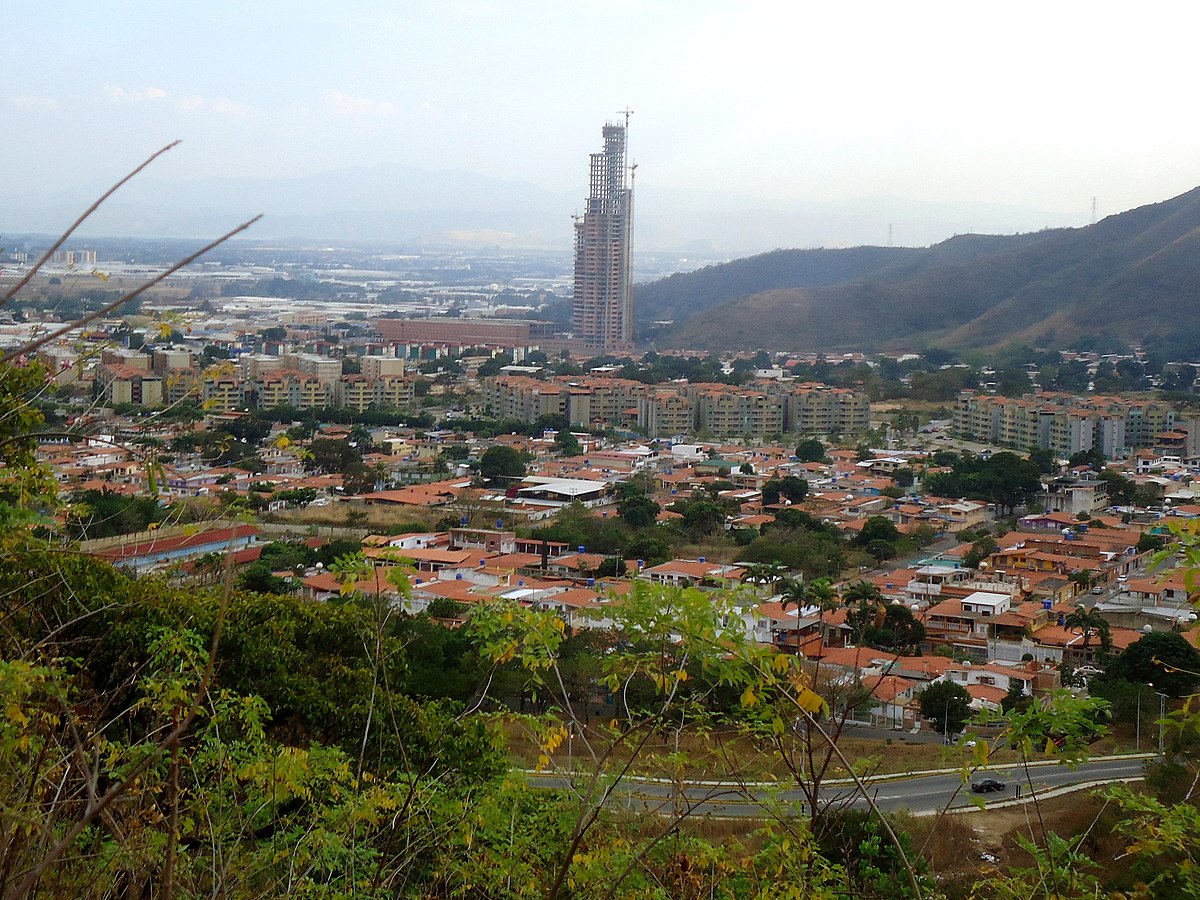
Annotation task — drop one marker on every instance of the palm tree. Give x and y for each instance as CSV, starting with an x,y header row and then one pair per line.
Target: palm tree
x,y
763,573
794,591
1088,622
823,595
871,607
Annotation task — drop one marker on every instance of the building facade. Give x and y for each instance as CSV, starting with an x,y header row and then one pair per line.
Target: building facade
x,y
602,311
1063,423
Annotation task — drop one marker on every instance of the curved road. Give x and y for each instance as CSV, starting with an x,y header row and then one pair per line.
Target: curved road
x,y
917,794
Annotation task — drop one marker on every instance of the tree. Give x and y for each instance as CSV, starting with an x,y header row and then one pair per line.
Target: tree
x,y
703,518
980,550
810,450
891,627
501,463
330,455
567,444
638,511
1165,659
877,528
1088,622
947,704
793,488
1082,579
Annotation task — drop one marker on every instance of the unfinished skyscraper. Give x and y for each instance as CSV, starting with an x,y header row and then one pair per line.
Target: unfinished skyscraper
x,y
602,309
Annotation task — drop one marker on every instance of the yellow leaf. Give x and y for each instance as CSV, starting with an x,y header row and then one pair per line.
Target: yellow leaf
x,y
810,701
748,697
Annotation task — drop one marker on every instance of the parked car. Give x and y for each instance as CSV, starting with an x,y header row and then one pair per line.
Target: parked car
x,y
1097,590
987,785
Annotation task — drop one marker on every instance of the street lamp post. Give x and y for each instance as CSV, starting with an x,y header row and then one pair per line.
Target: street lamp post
x,y
1162,715
1137,740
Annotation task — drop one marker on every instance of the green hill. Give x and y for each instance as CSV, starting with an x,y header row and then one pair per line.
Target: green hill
x,y
1134,276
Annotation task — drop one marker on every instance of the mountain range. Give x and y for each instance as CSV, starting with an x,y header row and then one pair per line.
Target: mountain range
x,y
408,206
1132,278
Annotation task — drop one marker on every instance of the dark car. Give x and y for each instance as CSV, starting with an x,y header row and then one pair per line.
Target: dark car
x,y
987,785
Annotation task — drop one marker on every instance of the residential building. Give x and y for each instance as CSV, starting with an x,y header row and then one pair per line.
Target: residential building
x,y
1064,423
602,311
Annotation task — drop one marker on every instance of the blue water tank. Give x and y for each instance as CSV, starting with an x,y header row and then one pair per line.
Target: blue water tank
x,y
1046,604
591,582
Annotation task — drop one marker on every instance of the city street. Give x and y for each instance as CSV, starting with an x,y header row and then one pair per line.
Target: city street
x,y
916,794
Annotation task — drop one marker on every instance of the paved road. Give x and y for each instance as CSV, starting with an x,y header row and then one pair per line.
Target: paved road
x,y
917,794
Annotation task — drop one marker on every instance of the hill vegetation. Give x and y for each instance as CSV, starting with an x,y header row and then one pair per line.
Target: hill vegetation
x,y
1130,279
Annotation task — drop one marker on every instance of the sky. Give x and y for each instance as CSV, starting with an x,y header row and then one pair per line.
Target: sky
x,y
1036,105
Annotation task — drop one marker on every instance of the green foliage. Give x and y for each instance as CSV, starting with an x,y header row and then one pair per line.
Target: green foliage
x,y
947,705
1003,478
893,627
810,450
638,511
502,463
104,513
567,444
790,487
26,486
1164,659
980,550
1058,725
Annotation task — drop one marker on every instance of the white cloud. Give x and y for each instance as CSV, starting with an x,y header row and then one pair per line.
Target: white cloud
x,y
137,95
220,105
349,105
28,102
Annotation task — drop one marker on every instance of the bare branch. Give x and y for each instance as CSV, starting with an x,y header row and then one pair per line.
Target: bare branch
x,y
120,301
87,212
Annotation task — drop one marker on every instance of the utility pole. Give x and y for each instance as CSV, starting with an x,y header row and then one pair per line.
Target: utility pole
x,y
1137,732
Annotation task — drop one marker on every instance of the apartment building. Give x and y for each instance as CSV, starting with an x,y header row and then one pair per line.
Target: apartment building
x,y
719,410
358,392
1064,423
327,369
528,399
820,409
287,387
382,366
120,384
666,413
221,392
723,411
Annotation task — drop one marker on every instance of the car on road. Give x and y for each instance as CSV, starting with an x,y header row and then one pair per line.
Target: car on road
x,y
987,785
1097,590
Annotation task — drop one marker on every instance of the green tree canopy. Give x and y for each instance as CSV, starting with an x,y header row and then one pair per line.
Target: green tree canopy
x,y
810,450
1164,659
502,462
947,704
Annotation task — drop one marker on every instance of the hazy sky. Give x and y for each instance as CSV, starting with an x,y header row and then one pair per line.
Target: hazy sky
x,y
1035,104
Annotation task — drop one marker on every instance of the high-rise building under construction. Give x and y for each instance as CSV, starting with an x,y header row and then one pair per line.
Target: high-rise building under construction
x,y
602,308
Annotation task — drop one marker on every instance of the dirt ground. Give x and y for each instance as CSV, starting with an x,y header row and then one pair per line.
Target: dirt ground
x,y
965,846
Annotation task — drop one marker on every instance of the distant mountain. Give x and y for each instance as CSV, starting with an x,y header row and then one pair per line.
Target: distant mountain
x,y
399,204
1133,276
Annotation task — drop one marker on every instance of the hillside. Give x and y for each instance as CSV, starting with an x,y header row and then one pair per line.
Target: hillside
x,y
1134,275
